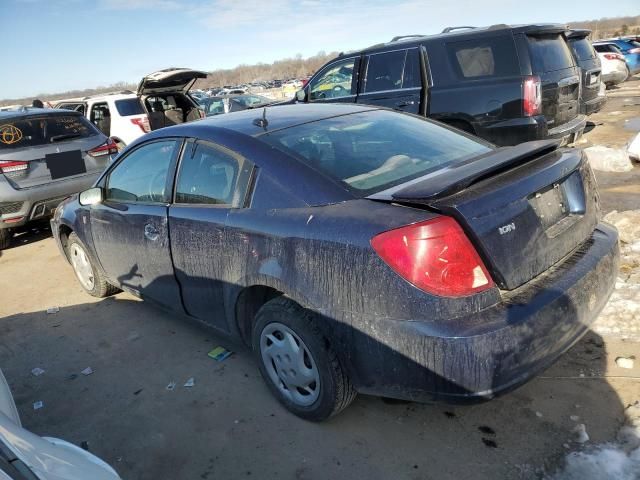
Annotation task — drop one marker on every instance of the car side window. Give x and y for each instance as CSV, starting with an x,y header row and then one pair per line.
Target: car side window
x,y
141,177
384,71
212,176
336,80
100,116
484,57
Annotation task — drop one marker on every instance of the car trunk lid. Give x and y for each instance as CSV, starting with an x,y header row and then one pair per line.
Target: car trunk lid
x,y
552,61
523,207
169,80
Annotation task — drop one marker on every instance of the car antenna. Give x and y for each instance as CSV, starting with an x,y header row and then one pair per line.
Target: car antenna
x,y
262,122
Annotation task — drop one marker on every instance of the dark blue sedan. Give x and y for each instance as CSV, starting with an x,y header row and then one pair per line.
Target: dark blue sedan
x,y
354,249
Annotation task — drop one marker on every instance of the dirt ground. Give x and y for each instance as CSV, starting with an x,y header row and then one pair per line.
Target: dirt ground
x,y
229,426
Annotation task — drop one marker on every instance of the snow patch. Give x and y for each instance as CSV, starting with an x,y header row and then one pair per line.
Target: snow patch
x,y
608,159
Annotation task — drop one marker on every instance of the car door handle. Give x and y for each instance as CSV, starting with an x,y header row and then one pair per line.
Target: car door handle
x,y
151,232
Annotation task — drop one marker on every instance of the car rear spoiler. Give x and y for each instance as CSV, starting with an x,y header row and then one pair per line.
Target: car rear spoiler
x,y
450,180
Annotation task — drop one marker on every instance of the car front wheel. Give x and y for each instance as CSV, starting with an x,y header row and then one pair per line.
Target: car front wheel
x,y
87,271
5,238
298,363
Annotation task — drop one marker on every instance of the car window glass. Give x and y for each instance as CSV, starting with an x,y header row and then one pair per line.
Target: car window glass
x,y
43,130
583,49
484,57
549,53
100,116
129,106
371,151
334,81
411,77
384,71
209,177
142,175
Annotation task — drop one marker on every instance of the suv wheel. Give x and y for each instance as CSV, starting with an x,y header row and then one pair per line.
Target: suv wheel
x,y
87,270
298,363
5,238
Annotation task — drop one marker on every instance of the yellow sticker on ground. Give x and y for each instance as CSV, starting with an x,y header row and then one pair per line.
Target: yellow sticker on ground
x,y
10,134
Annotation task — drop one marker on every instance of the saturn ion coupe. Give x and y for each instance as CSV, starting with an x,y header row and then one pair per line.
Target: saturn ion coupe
x,y
353,249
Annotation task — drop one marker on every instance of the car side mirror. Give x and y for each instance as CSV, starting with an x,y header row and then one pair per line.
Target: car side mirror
x,y
301,95
91,196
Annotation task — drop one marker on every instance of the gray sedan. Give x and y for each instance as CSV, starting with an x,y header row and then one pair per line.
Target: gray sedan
x,y
45,156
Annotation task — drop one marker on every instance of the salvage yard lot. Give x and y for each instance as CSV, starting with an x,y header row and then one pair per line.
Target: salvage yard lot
x,y
229,425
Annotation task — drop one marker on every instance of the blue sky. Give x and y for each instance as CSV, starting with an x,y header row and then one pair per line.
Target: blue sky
x,y
57,45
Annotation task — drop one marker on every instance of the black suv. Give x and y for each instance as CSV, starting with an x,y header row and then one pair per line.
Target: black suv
x,y
507,84
587,59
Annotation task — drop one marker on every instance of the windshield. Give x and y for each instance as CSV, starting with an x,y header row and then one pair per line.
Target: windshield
x,y
583,49
42,130
372,151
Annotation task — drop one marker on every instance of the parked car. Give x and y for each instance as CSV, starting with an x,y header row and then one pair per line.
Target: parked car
x,y
354,249
502,83
45,156
614,66
629,48
161,100
232,103
587,59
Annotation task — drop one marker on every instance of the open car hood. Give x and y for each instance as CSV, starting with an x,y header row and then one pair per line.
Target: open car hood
x,y
169,80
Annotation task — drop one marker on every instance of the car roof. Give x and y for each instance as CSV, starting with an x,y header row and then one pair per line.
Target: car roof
x,y
248,122
578,33
456,32
29,111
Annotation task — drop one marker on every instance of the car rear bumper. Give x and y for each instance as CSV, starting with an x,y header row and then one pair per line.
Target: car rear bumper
x,y
614,77
593,105
39,202
496,349
526,129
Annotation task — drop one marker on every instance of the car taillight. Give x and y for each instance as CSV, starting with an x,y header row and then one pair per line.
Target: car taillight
x,y
634,50
10,166
435,256
143,123
531,96
613,56
108,148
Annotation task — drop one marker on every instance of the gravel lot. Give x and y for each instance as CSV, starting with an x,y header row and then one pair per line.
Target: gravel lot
x,y
229,426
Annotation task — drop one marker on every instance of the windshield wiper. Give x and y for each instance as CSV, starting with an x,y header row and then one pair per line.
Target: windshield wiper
x,y
64,136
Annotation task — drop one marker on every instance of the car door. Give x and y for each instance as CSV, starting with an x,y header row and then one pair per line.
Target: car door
x,y
130,227
211,180
393,79
336,82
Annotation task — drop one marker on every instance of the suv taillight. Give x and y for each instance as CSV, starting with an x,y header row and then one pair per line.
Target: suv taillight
x,y
436,256
108,148
10,166
143,123
531,96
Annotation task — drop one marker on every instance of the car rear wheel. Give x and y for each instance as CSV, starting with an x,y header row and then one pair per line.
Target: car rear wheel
x,y
5,238
87,270
298,363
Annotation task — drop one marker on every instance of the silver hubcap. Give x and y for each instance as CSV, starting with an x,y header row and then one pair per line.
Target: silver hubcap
x,y
289,364
81,266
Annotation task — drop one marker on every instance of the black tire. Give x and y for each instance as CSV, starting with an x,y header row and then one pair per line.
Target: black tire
x,y
336,390
101,287
5,238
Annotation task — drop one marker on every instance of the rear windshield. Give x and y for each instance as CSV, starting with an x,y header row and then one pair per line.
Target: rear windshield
x,y
549,53
129,106
43,130
371,151
484,57
583,49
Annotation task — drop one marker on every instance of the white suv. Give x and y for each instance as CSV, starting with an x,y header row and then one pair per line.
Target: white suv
x,y
162,99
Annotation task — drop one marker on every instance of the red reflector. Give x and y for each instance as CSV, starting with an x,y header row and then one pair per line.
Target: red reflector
x,y
108,148
8,166
142,122
435,256
531,96
12,220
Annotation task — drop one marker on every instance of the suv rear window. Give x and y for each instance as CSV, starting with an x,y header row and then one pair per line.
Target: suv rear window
x,y
33,131
583,49
484,57
129,106
549,53
372,151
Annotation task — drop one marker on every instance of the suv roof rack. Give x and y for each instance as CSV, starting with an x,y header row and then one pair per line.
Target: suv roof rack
x,y
461,27
402,37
